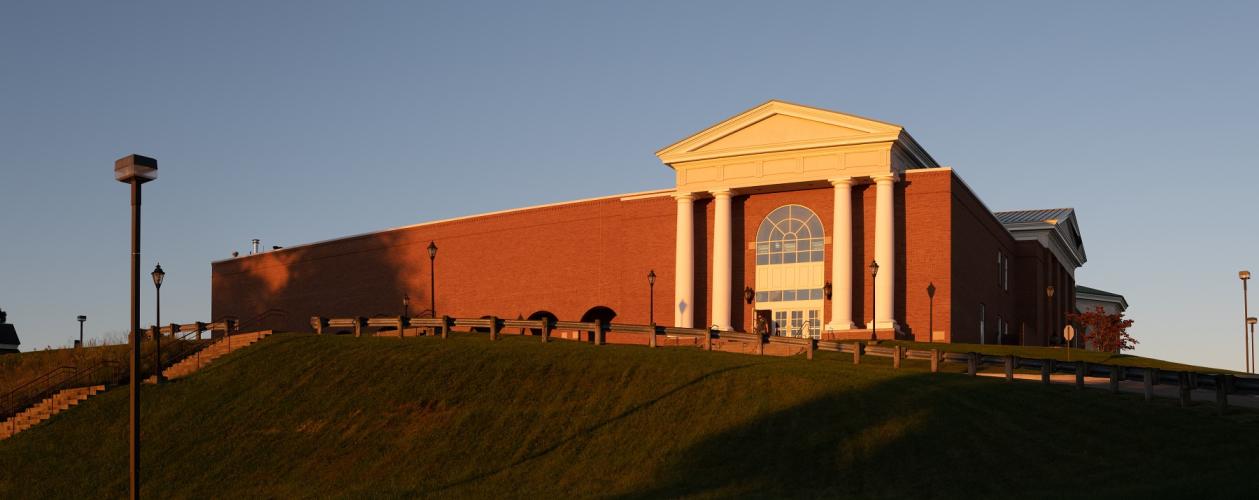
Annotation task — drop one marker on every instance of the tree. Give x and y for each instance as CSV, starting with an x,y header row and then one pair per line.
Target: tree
x,y
1105,332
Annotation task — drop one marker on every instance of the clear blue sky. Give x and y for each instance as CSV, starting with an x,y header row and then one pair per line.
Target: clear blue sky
x,y
300,121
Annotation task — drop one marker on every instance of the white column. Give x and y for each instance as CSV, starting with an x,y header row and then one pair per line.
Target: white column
x,y
684,266
722,267
885,250
841,258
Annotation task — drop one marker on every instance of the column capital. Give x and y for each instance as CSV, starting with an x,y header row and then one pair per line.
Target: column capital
x,y
885,178
683,197
841,181
722,193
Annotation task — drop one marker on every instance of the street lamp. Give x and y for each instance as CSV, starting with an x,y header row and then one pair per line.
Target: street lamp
x,y
931,311
874,310
1049,296
432,278
81,319
406,305
135,170
651,297
1244,275
1251,321
158,276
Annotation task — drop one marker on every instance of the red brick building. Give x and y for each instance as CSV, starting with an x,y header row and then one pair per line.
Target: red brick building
x,y
777,213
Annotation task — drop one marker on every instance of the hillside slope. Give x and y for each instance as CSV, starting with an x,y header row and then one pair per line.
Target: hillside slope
x,y
303,416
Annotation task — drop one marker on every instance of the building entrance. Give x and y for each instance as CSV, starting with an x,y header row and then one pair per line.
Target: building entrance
x,y
790,266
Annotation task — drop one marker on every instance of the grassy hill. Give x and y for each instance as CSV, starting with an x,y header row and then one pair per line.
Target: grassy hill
x,y
305,416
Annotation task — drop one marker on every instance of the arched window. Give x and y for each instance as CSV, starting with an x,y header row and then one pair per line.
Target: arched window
x,y
788,235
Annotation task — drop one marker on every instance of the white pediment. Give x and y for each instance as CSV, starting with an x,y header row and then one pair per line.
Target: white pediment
x,y
779,126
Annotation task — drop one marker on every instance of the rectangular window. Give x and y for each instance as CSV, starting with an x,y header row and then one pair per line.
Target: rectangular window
x,y
982,340
762,296
815,324
780,322
797,322
789,295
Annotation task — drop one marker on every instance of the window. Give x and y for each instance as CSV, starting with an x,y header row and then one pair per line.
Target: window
x,y
1003,271
788,235
815,324
1000,329
982,340
780,322
797,322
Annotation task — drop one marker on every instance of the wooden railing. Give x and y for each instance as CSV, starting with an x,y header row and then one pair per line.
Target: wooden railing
x,y
1223,383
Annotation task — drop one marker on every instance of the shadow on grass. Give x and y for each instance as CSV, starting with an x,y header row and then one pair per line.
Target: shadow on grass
x,y
589,430
930,436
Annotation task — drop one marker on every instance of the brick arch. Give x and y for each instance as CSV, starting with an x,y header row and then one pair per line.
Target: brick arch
x,y
537,315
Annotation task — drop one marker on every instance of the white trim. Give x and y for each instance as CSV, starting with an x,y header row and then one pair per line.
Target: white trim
x,y
640,195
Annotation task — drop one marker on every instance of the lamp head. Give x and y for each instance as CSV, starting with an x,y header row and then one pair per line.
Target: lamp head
x,y
1049,291
1251,320
826,290
81,318
748,294
158,276
432,250
931,290
1243,274
651,277
874,268
137,167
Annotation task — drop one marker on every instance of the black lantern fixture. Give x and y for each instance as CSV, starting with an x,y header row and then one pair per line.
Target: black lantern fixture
x,y
651,296
826,290
158,277
931,310
748,294
1049,296
406,305
432,278
874,289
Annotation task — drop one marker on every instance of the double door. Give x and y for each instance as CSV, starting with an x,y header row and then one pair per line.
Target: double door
x,y
797,322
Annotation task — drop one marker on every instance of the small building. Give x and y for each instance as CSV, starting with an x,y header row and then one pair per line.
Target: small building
x,y
8,336
1087,298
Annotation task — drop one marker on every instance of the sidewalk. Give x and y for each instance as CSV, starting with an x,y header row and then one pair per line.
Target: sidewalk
x,y
1134,387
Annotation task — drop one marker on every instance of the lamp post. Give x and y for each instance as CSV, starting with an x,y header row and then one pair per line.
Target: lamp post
x,y
931,312
406,305
158,276
432,278
1244,275
1049,296
651,296
874,310
1251,321
135,170
81,319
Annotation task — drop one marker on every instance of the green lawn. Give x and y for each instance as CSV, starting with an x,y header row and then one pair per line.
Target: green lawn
x,y
306,416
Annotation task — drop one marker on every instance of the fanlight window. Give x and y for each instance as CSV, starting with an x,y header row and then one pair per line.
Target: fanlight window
x,y
788,235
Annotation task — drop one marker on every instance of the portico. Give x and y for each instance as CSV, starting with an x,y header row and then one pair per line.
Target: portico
x,y
780,147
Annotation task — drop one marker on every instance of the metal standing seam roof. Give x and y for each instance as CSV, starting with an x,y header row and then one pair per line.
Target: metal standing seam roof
x,y
1049,215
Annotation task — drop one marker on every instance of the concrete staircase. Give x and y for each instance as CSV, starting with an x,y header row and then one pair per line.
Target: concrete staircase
x,y
45,409
204,357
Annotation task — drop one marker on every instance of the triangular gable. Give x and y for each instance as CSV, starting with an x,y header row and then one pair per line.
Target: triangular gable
x,y
779,126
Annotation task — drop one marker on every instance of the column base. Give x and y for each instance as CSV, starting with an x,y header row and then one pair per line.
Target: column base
x,y
839,327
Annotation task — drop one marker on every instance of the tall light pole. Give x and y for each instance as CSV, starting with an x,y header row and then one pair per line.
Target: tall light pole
x,y
931,311
135,170
432,278
651,296
406,305
81,319
1049,297
874,290
1251,321
158,276
1244,275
